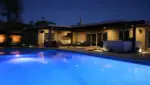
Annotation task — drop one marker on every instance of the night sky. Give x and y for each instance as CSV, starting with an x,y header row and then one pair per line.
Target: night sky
x,y
68,12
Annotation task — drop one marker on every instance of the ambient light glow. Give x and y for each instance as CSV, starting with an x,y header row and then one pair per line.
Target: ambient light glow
x,y
2,53
140,50
17,55
15,38
21,60
2,38
15,52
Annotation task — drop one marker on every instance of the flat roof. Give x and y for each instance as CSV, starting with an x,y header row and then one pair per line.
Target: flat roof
x,y
98,26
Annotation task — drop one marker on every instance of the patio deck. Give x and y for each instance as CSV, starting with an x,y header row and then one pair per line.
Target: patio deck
x,y
136,56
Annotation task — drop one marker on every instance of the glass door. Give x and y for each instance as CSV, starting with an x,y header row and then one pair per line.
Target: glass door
x,y
93,39
88,39
99,39
124,35
105,35
148,36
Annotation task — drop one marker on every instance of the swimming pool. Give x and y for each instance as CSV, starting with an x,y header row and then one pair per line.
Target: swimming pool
x,y
56,67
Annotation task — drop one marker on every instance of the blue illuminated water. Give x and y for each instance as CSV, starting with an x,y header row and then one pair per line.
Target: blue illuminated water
x,y
42,67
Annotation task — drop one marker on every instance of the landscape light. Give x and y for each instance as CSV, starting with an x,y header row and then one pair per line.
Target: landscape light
x,y
140,50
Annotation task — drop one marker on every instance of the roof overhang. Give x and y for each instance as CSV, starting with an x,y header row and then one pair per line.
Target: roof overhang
x,y
97,26
108,25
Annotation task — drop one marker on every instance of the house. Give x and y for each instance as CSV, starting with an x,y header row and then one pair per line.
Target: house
x,y
84,34
95,34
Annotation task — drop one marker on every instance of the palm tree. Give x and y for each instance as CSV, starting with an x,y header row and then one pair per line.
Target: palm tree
x,y
11,9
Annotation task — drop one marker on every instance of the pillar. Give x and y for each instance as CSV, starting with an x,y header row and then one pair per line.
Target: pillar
x,y
96,39
71,37
49,35
134,39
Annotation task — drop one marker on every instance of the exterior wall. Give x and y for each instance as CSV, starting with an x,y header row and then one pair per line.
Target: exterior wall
x,y
74,37
140,36
55,35
41,37
112,34
81,37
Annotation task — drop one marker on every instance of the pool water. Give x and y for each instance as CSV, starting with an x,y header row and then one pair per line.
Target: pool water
x,y
55,67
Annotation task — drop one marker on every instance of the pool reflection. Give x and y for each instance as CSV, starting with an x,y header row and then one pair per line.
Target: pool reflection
x,y
15,52
2,53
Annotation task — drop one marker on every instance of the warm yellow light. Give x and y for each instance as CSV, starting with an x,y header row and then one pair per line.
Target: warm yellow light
x,y
15,38
1,53
2,38
105,49
140,50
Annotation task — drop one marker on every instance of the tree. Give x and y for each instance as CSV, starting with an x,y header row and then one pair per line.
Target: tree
x,y
1,24
44,23
11,9
31,22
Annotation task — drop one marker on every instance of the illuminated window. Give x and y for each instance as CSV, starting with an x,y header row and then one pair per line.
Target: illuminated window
x,y
15,38
2,38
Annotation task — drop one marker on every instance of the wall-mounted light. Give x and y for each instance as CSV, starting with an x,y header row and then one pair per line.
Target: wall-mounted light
x,y
140,31
41,31
105,28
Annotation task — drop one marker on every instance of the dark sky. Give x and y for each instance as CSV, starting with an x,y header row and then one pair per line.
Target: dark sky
x,y
68,12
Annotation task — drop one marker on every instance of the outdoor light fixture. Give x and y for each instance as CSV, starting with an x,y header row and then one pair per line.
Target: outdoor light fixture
x,y
132,25
140,31
41,31
105,48
140,50
105,28
30,46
